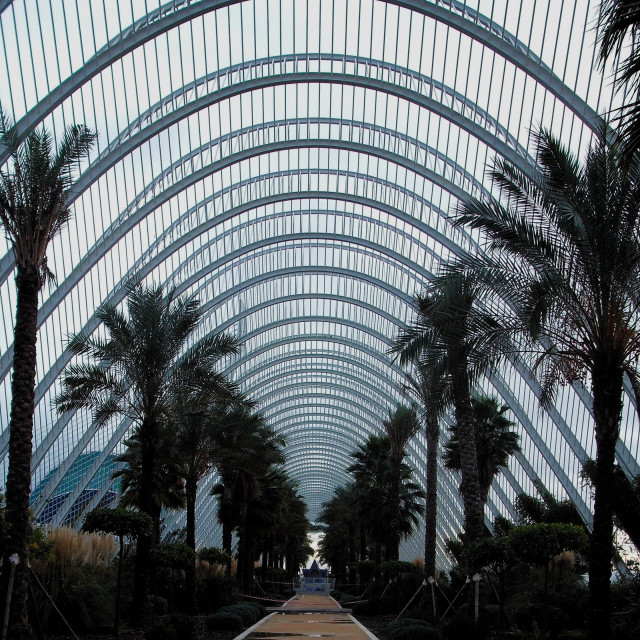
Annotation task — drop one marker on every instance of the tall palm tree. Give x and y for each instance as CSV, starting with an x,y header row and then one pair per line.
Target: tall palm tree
x,y
455,336
401,426
547,509
495,441
34,194
389,509
619,36
245,449
168,487
433,393
339,542
232,441
370,469
563,249
194,427
137,371
263,451
626,499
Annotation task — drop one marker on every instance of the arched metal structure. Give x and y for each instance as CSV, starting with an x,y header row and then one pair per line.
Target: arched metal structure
x,y
293,163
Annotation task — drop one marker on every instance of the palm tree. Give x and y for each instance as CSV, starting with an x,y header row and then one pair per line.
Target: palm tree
x,y
194,427
245,449
390,511
433,392
564,251
626,499
168,487
339,543
232,440
495,441
547,509
401,426
137,371
455,336
34,196
619,33
263,450
370,468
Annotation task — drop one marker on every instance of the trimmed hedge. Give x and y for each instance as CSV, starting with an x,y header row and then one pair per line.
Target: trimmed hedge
x,y
247,613
412,628
161,632
224,621
184,625
415,632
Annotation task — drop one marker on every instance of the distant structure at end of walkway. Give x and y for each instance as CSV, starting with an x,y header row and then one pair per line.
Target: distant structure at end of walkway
x,y
315,579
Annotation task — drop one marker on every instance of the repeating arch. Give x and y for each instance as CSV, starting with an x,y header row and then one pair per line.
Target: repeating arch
x,y
305,228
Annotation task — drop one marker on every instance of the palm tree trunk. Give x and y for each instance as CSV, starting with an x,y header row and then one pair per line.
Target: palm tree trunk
x,y
393,544
242,547
18,486
148,436
266,538
607,387
470,485
191,490
227,526
431,504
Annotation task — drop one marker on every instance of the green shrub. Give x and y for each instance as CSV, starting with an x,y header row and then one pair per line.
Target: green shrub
x,y
161,632
462,627
248,614
213,555
161,605
415,632
572,634
418,614
184,625
346,597
224,621
407,622
259,607
394,568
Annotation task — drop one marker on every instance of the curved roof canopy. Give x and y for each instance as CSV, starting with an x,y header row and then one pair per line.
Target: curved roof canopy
x,y
293,163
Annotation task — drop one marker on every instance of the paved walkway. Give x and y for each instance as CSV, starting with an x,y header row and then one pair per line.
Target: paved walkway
x,y
308,616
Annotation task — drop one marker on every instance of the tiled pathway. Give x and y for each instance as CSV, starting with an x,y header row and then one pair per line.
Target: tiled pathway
x,y
308,616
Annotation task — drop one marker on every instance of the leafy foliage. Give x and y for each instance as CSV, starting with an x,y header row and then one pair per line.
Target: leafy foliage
x,y
539,543
119,522
213,555
175,555
495,441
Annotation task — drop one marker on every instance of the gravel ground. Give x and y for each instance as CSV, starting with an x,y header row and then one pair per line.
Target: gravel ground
x,y
377,626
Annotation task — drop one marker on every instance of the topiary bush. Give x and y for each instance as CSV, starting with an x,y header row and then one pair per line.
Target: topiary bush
x,y
407,622
224,621
248,614
158,604
262,610
184,625
161,631
415,632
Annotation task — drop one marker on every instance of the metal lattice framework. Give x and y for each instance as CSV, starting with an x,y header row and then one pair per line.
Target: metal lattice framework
x,y
293,163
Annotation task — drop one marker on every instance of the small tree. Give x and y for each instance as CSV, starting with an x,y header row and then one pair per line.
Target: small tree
x,y
172,555
121,523
538,544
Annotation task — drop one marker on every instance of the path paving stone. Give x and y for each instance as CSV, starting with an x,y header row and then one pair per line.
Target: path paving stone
x,y
308,616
